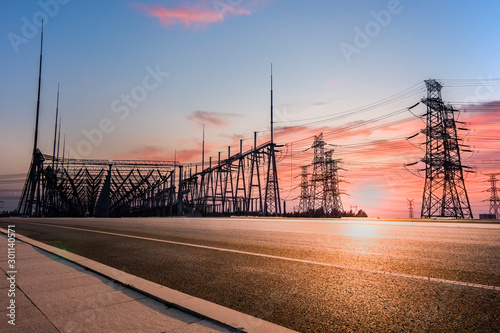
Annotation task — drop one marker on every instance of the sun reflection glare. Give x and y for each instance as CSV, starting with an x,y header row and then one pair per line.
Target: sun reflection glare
x,y
361,231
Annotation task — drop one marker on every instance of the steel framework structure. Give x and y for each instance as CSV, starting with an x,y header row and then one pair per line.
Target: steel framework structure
x,y
99,188
233,186
77,187
444,193
102,188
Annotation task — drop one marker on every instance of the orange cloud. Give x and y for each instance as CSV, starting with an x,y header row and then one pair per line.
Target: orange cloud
x,y
197,16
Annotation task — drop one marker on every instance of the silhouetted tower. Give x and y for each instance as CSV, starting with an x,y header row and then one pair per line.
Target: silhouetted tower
x,y
304,191
331,191
32,196
272,199
410,208
318,175
494,200
444,194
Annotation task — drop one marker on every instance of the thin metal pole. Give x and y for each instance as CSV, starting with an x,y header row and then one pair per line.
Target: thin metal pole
x,y
203,150
35,146
272,118
55,129
59,140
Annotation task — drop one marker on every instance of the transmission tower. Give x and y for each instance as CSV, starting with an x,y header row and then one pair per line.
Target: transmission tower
x,y
444,194
321,193
304,191
410,208
331,191
318,175
494,200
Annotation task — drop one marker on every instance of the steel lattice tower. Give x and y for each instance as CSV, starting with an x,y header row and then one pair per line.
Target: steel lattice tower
x,y
494,200
304,191
410,208
333,203
444,194
318,175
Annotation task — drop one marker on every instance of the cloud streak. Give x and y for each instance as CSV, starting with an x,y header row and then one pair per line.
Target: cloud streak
x,y
198,15
146,152
218,119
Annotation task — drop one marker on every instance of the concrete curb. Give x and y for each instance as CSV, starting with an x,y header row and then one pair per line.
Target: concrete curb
x,y
190,304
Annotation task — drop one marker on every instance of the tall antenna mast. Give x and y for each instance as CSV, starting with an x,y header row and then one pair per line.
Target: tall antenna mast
x,y
55,129
203,150
38,100
32,185
59,139
272,120
64,148
272,205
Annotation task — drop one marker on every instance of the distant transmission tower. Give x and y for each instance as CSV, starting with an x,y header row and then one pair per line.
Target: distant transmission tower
x,y
304,191
410,208
318,175
444,194
333,203
494,199
321,193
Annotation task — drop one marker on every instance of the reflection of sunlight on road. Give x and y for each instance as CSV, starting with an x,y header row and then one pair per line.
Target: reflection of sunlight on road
x,y
360,238
360,231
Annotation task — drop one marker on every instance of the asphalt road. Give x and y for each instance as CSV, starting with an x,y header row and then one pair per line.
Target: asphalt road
x,y
308,275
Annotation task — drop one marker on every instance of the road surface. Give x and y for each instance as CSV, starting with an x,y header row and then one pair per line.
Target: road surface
x,y
309,275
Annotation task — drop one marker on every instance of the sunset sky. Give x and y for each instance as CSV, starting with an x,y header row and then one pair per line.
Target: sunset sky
x,y
138,79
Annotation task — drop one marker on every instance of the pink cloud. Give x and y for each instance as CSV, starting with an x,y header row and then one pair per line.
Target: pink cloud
x,y
198,15
218,119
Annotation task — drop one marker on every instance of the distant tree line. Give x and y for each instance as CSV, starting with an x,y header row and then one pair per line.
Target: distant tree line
x,y
335,214
7,213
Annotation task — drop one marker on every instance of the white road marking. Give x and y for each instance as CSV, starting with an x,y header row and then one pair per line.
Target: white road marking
x,y
305,261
